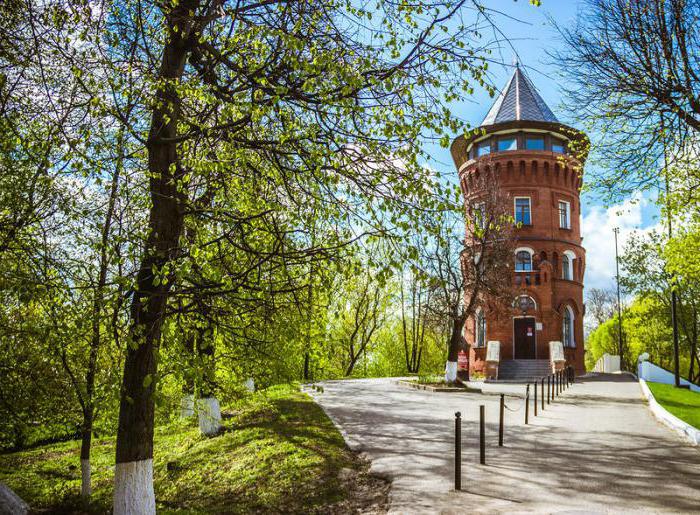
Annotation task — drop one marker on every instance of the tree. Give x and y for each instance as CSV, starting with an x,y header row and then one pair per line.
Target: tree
x,y
634,69
646,275
267,109
413,326
283,86
362,312
465,273
601,305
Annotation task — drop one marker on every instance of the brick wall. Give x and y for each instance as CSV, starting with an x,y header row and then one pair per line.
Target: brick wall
x,y
546,178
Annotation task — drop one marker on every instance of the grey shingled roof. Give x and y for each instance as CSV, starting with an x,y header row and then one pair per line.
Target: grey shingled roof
x,y
519,100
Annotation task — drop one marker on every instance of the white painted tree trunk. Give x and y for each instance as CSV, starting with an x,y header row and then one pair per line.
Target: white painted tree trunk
x,y
209,416
85,489
133,488
451,371
187,406
250,384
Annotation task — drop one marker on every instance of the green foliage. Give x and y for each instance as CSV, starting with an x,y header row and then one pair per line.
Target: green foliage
x,y
279,453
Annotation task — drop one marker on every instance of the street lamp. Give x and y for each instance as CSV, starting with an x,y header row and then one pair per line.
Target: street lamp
x,y
616,230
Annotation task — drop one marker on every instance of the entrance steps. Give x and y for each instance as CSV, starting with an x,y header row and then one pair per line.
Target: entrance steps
x,y
525,370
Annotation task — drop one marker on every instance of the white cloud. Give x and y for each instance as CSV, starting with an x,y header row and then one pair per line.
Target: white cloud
x,y
599,240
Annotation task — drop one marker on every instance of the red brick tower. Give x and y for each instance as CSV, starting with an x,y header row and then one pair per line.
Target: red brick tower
x,y
530,153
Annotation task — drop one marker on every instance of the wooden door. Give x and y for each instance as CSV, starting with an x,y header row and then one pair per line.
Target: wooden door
x,y
524,334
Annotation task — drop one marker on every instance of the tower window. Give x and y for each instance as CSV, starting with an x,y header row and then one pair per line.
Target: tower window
x,y
558,146
480,329
523,261
483,148
564,215
522,210
568,328
505,144
567,265
534,143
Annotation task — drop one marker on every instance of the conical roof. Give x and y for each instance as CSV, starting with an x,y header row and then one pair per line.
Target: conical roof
x,y
519,100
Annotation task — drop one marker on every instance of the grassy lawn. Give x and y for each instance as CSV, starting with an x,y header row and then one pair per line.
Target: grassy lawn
x,y
683,403
432,379
279,453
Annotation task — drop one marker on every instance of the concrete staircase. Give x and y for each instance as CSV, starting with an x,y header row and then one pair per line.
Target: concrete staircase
x,y
523,369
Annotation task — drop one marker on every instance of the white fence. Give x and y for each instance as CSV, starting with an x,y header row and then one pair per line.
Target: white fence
x,y
655,374
608,364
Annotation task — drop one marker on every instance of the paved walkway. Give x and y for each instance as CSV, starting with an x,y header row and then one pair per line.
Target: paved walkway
x,y
597,449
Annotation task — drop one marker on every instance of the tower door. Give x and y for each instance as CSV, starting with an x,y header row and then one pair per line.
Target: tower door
x,y
524,338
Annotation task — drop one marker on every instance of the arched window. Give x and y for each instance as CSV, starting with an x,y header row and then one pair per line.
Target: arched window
x,y
523,260
480,329
524,303
568,328
567,265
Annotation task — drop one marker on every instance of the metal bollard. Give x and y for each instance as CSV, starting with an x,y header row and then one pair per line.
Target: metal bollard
x,y
542,394
458,451
482,435
500,421
549,395
527,402
557,378
552,387
535,403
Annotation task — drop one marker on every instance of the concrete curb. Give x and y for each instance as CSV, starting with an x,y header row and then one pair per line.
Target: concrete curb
x,y
441,389
682,428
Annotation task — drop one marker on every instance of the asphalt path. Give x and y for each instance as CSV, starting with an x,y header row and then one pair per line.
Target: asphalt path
x,y
595,449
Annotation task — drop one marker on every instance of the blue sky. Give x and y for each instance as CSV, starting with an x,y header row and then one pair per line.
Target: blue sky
x,y
532,35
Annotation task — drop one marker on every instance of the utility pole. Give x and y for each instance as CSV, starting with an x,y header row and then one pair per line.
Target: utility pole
x,y
674,316
616,230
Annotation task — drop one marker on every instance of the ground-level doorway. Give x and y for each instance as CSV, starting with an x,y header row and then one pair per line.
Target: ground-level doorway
x,y
524,338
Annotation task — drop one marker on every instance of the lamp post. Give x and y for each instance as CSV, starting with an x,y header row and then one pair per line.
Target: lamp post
x,y
674,315
616,230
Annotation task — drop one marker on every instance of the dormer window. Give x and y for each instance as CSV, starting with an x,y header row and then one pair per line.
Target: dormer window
x,y
534,143
483,148
558,146
506,144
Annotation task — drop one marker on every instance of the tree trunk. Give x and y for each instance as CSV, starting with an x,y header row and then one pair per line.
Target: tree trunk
x,y
86,441
95,342
133,478
453,349
306,366
187,401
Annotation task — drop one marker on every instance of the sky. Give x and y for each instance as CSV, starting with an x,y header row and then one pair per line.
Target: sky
x,y
532,35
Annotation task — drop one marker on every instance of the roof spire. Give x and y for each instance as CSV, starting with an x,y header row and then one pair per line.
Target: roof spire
x,y
519,100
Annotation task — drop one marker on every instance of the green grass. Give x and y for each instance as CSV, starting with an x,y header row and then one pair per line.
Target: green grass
x,y
279,453
433,379
683,403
